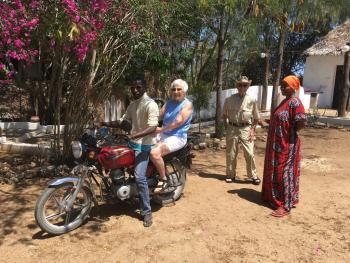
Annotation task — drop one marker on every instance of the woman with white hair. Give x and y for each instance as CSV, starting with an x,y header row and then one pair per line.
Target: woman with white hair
x,y
177,116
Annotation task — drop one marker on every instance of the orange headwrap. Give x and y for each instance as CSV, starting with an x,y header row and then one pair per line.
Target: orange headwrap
x,y
292,82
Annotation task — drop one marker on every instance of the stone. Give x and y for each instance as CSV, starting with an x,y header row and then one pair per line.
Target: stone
x,y
3,139
62,170
209,144
51,168
202,145
216,140
21,167
216,143
21,176
4,167
196,147
29,176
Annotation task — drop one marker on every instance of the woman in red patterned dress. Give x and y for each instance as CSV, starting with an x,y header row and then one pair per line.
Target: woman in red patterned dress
x,y
282,158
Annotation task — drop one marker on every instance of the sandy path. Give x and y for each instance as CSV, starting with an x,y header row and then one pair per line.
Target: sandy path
x,y
213,221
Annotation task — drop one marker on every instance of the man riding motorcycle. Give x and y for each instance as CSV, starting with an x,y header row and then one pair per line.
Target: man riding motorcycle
x,y
143,115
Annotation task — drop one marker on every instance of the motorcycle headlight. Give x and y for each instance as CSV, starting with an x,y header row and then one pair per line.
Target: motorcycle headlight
x,y
77,149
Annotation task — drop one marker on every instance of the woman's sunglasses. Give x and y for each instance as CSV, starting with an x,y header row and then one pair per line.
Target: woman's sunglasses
x,y
176,89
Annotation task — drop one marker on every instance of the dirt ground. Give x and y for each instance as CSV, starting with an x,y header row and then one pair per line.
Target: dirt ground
x,y
212,222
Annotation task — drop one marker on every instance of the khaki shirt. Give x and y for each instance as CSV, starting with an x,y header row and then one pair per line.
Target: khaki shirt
x,y
143,113
241,110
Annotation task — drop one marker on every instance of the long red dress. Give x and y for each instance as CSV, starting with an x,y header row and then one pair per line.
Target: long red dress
x,y
282,157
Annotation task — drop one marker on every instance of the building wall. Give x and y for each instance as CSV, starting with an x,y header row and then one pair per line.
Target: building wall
x,y
319,76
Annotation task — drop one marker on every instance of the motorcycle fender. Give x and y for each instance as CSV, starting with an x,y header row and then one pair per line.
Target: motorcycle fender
x,y
63,181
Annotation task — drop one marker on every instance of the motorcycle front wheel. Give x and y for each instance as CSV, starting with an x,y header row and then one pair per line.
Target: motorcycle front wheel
x,y
51,214
177,176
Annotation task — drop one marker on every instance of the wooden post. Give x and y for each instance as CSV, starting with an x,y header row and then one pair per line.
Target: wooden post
x,y
281,42
266,81
219,127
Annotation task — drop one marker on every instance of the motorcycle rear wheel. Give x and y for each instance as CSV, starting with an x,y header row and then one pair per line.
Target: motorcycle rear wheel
x,y
60,221
167,198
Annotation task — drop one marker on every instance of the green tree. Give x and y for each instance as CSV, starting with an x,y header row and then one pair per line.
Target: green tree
x,y
200,98
285,18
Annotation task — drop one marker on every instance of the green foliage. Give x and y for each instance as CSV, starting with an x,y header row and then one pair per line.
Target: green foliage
x,y
165,31
201,95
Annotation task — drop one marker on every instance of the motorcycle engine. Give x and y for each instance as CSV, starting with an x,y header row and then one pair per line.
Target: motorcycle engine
x,y
123,191
120,188
117,176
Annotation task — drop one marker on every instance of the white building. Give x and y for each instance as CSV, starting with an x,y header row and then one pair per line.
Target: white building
x,y
324,66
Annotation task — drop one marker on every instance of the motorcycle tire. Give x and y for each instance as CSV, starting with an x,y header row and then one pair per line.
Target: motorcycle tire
x,y
167,198
59,229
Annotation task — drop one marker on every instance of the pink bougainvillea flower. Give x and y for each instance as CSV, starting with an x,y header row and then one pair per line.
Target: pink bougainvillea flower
x,y
2,67
13,13
76,19
52,43
34,22
12,54
133,27
10,74
18,43
33,4
6,81
66,48
16,30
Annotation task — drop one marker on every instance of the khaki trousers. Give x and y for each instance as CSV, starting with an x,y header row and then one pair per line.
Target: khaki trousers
x,y
233,136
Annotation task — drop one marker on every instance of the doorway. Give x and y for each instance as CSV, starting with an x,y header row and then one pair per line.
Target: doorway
x,y
338,84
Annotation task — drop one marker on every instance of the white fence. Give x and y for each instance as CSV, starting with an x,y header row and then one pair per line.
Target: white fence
x,y
255,92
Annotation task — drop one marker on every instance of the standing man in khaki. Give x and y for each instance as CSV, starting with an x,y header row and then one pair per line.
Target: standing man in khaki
x,y
240,116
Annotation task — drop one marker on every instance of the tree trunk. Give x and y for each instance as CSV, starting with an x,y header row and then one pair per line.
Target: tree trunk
x,y
219,128
199,120
281,42
266,81
344,91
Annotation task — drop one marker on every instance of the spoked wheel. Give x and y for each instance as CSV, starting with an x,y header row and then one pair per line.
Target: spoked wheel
x,y
177,176
52,214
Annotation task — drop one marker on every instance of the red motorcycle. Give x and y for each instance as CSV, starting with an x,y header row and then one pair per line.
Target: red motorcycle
x,y
102,174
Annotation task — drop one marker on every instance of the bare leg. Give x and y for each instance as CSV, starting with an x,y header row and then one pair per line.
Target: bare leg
x,y
156,157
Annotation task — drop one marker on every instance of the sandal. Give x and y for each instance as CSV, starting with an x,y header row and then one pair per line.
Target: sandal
x,y
280,212
161,186
256,181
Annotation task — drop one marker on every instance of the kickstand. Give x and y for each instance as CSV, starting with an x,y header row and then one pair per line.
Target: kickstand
x,y
97,215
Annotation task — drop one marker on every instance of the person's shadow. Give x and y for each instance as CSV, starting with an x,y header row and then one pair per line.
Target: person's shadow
x,y
99,215
250,195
